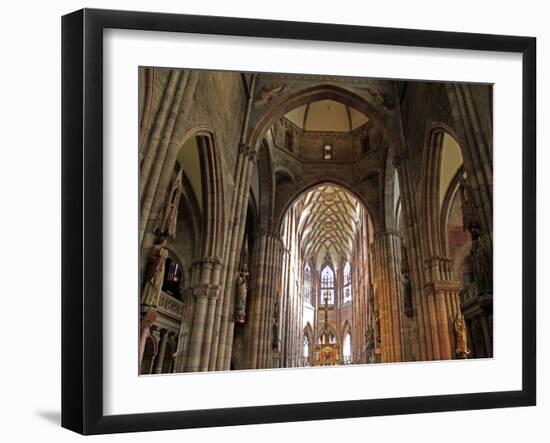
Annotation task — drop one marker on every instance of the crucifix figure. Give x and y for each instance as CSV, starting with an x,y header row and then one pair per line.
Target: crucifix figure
x,y
326,330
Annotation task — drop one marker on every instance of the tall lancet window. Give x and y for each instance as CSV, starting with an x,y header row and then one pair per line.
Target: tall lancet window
x,y
327,285
346,292
306,350
307,283
346,349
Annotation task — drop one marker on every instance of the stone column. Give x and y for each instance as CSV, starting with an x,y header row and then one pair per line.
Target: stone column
x,y
201,294
267,301
256,292
387,284
237,236
228,272
220,355
412,233
205,292
441,299
149,315
161,154
272,284
476,148
144,335
149,147
274,310
209,327
184,336
162,351
212,267
285,307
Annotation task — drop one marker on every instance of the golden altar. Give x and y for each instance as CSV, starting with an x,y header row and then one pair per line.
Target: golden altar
x,y
327,355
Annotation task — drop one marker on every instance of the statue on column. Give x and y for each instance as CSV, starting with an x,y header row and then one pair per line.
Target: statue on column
x,y
481,260
481,263
469,213
461,334
376,315
242,290
154,273
168,223
369,345
406,281
407,294
275,338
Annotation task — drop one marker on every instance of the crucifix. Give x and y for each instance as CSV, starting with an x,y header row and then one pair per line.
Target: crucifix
x,y
326,330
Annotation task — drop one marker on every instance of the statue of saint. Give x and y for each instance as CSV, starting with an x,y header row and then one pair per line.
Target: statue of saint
x,y
168,223
369,345
275,341
481,267
407,294
240,305
154,273
275,336
406,281
461,334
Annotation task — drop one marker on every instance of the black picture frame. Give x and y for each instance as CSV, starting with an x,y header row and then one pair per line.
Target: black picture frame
x,y
82,220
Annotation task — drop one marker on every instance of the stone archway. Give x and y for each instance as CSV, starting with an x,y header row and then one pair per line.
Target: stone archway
x,y
264,117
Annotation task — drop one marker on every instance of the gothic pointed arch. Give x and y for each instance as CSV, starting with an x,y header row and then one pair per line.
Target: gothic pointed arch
x,y
436,175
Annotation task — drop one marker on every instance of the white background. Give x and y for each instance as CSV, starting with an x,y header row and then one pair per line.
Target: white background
x,y
30,184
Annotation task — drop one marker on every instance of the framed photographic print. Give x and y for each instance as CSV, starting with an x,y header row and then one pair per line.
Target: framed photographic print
x,y
273,221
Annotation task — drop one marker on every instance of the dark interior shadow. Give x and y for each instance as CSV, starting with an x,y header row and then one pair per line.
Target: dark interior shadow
x,y
54,417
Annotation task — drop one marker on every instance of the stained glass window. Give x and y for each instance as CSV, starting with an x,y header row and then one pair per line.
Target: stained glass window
x,y
327,285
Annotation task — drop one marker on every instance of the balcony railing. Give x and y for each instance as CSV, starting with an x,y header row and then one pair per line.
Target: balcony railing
x,y
170,306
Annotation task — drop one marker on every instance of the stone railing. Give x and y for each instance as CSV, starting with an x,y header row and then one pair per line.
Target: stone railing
x,y
170,305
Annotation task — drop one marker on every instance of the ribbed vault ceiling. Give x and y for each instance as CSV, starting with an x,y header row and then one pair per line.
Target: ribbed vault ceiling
x,y
327,223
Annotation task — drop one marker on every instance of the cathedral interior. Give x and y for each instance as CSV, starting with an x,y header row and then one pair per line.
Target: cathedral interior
x,y
298,221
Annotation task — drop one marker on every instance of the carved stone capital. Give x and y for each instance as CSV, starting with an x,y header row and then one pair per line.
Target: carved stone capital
x,y
207,262
386,233
212,260
442,287
245,150
205,291
436,260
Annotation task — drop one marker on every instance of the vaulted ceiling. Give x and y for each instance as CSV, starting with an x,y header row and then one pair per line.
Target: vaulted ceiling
x,y
327,224
327,115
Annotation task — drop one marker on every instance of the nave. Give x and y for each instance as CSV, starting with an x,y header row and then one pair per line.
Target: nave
x,y
298,221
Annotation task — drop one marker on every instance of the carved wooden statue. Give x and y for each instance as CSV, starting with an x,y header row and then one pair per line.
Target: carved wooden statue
x,y
154,274
461,334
